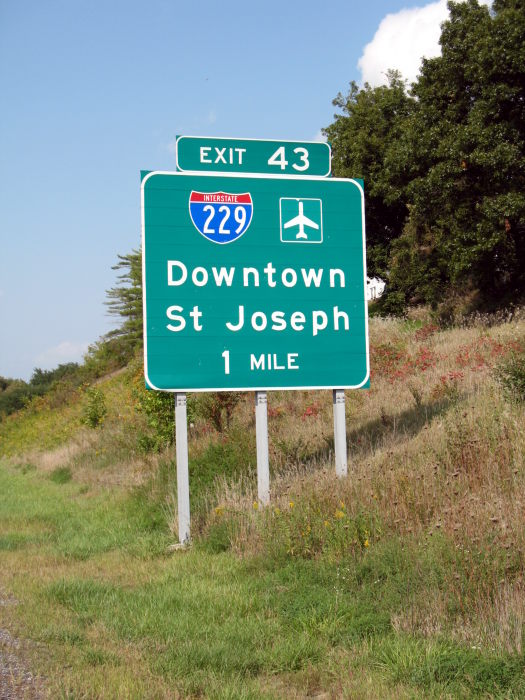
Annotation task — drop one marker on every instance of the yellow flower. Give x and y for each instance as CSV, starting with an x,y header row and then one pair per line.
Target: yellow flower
x,y
366,543
341,505
339,514
292,504
326,523
219,510
255,505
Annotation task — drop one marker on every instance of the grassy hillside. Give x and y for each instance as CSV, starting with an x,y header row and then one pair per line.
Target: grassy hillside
x,y
404,580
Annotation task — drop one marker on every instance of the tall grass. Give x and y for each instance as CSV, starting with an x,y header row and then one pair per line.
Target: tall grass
x,y
405,579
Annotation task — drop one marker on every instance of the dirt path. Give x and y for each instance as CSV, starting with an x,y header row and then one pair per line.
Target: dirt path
x,y
16,680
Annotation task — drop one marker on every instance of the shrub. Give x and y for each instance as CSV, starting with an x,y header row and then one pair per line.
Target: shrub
x,y
95,408
61,475
158,407
218,407
511,376
392,303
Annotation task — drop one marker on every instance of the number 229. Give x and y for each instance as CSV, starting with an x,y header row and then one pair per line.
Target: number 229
x,y
239,214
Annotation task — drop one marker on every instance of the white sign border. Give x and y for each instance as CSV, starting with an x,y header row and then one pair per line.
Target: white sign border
x,y
264,177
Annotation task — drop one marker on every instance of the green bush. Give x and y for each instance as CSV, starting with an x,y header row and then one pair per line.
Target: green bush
x,y
158,407
95,409
392,303
511,376
61,475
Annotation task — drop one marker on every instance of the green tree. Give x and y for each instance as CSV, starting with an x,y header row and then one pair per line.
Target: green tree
x,y
465,150
371,122
125,301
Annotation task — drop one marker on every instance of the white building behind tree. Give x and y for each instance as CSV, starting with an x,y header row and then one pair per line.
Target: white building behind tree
x,y
374,288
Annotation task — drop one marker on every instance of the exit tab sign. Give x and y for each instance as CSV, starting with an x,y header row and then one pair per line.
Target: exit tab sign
x,y
225,155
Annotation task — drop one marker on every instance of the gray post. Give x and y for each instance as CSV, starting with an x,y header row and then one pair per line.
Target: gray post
x,y
183,479
341,465
261,435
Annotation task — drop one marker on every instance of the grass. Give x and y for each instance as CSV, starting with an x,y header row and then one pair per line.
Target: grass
x,y
404,580
220,625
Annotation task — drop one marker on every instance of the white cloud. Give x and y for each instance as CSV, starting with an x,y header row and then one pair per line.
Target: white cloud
x,y
67,351
401,40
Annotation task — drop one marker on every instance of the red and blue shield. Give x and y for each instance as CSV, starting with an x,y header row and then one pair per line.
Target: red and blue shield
x,y
221,217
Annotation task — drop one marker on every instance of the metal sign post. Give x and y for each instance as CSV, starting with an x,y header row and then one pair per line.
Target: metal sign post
x,y
341,466
183,479
261,434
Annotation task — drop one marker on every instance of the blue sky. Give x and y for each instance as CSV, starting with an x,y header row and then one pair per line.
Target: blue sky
x,y
93,92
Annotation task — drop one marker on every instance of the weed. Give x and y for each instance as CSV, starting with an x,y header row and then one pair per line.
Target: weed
x,y
25,467
95,409
403,580
218,408
510,374
416,393
61,475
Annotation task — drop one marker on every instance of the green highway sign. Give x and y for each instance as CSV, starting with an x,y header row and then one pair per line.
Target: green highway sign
x,y
253,282
217,154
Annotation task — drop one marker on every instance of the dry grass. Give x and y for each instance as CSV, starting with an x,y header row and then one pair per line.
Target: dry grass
x,y
434,451
436,454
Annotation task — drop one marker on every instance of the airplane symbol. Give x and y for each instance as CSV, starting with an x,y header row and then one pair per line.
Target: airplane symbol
x,y
301,220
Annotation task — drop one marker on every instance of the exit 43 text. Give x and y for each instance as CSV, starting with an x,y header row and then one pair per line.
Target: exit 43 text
x,y
234,156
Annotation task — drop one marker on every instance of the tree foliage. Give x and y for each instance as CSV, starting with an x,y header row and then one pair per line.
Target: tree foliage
x,y
444,166
371,120
125,301
15,393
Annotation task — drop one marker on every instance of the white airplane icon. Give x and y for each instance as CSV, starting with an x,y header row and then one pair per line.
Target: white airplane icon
x,y
301,220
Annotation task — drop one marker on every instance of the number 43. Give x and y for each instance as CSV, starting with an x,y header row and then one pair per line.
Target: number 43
x,y
279,159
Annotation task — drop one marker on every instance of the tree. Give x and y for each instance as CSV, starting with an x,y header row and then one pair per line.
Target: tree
x,y
465,143
125,301
444,166
371,122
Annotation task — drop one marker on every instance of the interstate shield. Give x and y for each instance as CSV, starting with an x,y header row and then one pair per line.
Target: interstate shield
x,y
221,217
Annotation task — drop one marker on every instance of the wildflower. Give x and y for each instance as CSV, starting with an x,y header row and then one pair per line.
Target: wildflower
x,y
341,505
326,523
219,511
255,505
339,514
366,543
292,504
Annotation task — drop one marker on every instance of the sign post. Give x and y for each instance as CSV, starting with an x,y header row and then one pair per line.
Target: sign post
x,y
341,468
183,480
261,436
253,283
